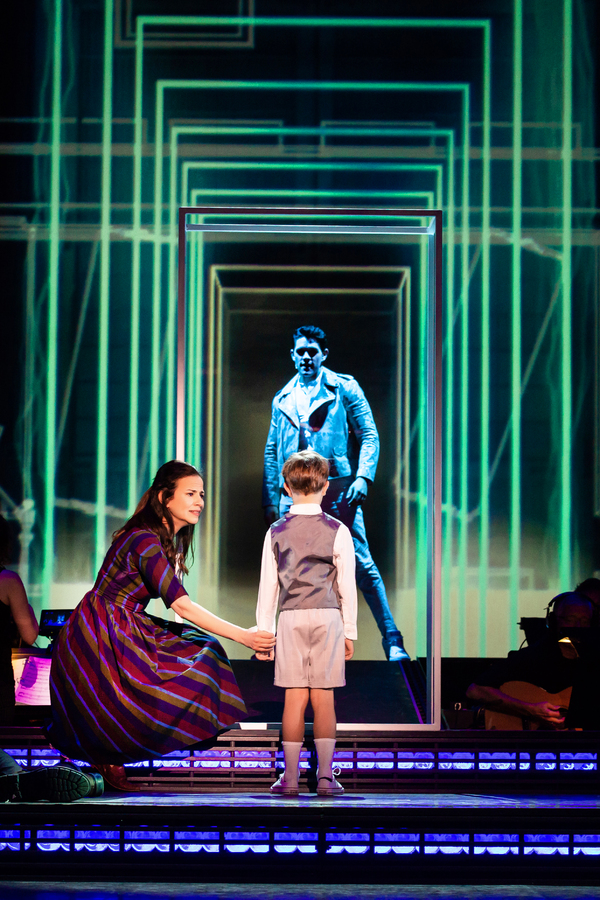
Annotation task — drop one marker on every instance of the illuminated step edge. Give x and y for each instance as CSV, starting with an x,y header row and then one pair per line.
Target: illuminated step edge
x,y
162,841
352,760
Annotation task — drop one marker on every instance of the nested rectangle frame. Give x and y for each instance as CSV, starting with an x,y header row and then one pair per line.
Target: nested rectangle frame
x,y
434,337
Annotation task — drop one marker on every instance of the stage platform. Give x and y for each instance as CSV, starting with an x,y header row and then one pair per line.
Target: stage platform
x,y
376,838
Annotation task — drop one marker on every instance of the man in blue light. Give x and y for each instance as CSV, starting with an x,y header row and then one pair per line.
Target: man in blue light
x,y
329,413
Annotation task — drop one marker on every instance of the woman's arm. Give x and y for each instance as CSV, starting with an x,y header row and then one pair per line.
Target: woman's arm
x,y
12,589
261,641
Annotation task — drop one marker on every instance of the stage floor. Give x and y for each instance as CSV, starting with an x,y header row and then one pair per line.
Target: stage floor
x,y
354,801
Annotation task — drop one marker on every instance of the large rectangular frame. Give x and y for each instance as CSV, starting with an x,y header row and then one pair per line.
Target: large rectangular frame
x,y
433,233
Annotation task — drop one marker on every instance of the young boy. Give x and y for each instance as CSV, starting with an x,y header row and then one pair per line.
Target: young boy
x,y
308,570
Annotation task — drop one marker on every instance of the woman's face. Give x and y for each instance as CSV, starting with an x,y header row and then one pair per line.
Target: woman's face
x,y
187,502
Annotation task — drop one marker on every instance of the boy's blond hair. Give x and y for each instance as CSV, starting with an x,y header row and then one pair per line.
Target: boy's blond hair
x,y
306,472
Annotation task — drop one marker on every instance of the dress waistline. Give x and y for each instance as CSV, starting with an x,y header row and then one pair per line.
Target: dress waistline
x,y
129,605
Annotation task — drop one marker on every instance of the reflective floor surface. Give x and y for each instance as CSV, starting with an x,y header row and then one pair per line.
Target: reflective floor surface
x,y
355,801
18,890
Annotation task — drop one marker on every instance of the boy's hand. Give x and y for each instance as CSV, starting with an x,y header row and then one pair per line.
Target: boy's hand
x,y
265,656
349,648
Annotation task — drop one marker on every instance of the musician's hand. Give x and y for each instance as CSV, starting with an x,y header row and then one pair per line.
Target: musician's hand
x,y
357,491
548,713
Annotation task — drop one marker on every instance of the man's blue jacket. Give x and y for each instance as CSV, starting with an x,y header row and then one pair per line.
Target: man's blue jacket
x,y
343,430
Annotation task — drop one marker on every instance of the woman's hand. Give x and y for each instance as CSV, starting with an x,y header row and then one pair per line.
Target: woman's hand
x,y
348,648
260,641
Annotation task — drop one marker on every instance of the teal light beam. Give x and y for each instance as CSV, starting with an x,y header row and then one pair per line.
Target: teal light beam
x,y
52,332
155,376
463,533
564,550
301,21
134,370
515,445
103,315
484,522
448,485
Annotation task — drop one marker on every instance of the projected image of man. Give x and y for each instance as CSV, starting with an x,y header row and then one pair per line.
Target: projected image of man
x,y
328,412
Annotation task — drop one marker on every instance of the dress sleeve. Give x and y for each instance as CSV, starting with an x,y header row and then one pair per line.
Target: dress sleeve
x,y
344,560
156,570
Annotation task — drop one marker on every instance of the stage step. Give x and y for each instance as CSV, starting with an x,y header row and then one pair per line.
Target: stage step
x,y
248,760
380,838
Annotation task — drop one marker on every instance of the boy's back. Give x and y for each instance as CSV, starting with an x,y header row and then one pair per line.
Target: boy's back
x,y
303,547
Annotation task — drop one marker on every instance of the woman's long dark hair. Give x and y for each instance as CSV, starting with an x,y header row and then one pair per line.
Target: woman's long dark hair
x,y
152,513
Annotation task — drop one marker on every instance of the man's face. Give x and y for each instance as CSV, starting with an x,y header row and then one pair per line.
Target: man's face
x,y
574,615
308,358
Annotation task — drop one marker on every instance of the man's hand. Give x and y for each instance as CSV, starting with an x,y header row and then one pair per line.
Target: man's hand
x,y
548,713
271,514
349,648
357,491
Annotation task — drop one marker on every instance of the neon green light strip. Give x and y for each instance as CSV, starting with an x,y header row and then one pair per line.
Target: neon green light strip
x,y
484,522
421,511
371,86
316,166
134,371
463,535
515,445
52,333
448,486
323,130
254,21
156,287
564,550
103,323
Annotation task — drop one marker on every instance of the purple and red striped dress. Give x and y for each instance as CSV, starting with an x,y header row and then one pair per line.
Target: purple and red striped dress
x,y
126,686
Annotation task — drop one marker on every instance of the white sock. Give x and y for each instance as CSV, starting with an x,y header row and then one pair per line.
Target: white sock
x,y
291,755
325,748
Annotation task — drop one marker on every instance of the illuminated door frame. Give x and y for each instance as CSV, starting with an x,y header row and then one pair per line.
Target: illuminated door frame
x,y
432,233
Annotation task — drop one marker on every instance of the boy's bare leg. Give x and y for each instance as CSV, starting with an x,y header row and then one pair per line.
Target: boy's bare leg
x,y
322,702
324,727
294,707
292,731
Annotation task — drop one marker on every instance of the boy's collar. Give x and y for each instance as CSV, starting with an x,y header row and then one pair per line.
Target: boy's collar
x,y
305,509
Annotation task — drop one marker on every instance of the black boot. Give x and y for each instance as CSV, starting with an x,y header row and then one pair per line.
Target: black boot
x,y
58,784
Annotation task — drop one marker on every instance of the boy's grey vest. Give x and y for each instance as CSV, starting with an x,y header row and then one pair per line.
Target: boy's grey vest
x,y
303,548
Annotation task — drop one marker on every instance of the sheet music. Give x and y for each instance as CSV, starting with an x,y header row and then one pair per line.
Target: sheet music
x,y
32,681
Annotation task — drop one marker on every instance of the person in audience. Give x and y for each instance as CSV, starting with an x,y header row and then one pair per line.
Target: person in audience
x,y
17,622
549,665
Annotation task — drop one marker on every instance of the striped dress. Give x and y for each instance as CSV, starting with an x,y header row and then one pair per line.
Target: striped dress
x,y
126,686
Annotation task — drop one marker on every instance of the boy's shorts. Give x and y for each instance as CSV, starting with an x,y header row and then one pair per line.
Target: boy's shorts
x,y
310,650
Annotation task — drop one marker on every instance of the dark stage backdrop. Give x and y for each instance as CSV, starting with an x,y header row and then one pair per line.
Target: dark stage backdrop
x,y
485,108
